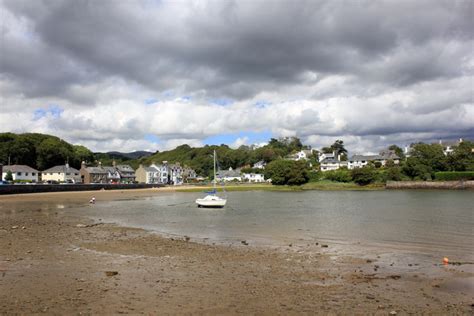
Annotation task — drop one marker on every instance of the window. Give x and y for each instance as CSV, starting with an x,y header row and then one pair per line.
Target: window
x,y
68,174
26,173
33,173
18,173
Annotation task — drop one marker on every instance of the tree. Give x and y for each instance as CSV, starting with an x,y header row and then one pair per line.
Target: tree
x,y
462,158
398,151
53,151
9,176
425,160
364,175
289,172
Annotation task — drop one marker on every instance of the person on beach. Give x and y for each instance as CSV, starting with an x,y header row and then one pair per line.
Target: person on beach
x,y
92,201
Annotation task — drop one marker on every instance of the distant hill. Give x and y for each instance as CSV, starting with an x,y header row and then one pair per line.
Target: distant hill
x,y
132,155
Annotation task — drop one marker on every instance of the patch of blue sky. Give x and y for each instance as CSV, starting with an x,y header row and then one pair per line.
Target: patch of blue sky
x,y
261,104
186,98
222,102
52,110
150,101
152,138
228,139
168,94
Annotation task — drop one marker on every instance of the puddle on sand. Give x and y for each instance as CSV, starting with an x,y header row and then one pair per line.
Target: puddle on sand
x,y
464,285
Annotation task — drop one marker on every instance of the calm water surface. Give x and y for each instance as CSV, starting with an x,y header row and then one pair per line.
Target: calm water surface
x,y
429,221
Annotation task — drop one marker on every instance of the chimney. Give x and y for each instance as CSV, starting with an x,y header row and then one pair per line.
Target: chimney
x,y
339,157
113,163
99,164
460,140
67,165
83,165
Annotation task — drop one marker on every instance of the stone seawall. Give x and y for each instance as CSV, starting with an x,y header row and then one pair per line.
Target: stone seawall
x,y
40,188
444,185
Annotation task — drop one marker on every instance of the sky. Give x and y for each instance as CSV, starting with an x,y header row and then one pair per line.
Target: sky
x,y
155,74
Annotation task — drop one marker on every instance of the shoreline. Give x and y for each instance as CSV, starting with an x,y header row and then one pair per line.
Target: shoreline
x,y
54,260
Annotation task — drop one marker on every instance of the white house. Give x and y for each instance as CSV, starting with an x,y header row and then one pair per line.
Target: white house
x,y
260,164
62,173
147,175
331,163
301,155
21,173
358,161
170,173
253,177
448,146
113,176
228,175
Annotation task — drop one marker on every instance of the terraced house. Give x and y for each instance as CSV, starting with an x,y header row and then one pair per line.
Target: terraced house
x,y
61,173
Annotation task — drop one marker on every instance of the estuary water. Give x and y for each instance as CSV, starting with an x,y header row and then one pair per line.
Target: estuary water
x,y
431,222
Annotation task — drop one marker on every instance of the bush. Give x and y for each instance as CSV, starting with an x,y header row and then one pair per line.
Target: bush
x,y
453,176
289,172
339,175
364,175
314,176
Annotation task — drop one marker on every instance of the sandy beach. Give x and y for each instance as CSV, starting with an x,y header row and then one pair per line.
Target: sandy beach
x,y
55,261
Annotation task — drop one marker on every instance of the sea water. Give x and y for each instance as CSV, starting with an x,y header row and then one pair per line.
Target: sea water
x,y
437,223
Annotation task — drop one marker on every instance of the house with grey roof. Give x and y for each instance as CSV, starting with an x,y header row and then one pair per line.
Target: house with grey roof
x,y
113,176
61,173
21,173
93,174
228,175
148,175
358,161
126,172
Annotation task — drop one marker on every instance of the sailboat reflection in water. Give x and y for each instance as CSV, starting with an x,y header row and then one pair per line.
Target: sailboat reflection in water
x,y
212,199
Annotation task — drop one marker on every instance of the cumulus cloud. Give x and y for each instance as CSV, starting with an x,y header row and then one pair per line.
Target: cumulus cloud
x,y
370,73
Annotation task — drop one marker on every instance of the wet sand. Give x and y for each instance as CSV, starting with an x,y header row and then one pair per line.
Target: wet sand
x,y
55,261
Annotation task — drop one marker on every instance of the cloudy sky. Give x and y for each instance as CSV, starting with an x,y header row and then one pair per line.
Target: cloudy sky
x,y
152,74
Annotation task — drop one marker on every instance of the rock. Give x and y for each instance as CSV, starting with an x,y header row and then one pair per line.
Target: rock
x,y
14,227
244,242
23,227
370,297
187,238
290,245
324,246
111,273
395,276
369,261
393,313
81,225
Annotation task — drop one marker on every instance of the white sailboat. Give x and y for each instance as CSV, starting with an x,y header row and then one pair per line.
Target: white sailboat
x,y
212,199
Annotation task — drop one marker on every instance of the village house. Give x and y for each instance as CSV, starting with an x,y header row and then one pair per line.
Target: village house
x,y
21,173
301,155
253,177
449,146
175,174
329,161
189,175
358,161
113,176
171,173
93,174
228,175
61,173
149,175
126,172
260,164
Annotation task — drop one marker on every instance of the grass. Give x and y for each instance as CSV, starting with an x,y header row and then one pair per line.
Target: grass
x,y
323,185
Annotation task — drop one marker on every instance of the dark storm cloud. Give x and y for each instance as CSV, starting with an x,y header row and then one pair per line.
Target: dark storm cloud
x,y
237,49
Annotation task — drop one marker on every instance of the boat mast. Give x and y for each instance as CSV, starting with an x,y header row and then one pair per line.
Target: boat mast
x,y
215,170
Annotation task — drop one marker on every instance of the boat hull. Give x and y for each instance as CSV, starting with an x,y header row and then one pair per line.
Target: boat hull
x,y
211,203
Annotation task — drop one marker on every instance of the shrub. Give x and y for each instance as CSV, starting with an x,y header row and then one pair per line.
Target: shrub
x,y
364,175
339,175
314,176
287,172
453,176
